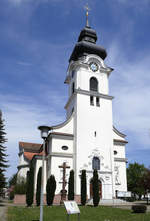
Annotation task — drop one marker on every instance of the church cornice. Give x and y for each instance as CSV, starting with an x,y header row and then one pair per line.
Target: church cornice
x,y
120,142
61,135
84,62
61,124
70,99
99,172
117,159
118,132
94,93
88,93
74,65
55,154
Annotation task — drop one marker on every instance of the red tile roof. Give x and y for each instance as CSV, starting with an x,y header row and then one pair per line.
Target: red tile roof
x,y
30,155
30,147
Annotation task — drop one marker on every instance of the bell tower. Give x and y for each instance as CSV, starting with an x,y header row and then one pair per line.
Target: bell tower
x,y
91,104
87,139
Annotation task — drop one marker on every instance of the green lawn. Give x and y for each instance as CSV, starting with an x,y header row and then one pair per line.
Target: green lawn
x,y
57,213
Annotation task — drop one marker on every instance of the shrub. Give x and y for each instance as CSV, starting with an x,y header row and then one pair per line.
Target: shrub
x,y
11,195
139,208
130,199
30,186
71,186
50,190
13,180
38,188
83,188
95,187
20,187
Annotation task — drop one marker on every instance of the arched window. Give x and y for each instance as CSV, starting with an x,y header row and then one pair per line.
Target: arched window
x,y
91,100
93,84
96,163
73,88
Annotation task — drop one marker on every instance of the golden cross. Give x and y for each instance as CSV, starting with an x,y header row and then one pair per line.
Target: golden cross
x,y
87,14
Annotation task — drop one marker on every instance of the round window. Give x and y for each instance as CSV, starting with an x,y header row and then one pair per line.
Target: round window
x,y
115,152
64,148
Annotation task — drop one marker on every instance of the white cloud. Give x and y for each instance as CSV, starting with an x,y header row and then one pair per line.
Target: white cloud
x,y
130,85
22,118
18,2
24,63
135,3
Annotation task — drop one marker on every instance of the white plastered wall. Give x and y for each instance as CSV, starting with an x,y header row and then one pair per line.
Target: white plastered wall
x,y
120,151
22,173
66,127
23,166
122,186
57,172
100,122
57,156
57,144
37,166
82,81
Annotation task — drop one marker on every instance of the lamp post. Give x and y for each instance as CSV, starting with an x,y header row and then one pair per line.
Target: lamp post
x,y
44,133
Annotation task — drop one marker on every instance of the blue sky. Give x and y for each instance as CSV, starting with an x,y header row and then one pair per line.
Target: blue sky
x,y
36,40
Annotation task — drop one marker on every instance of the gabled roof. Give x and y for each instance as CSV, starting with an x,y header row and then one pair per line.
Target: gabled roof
x,y
30,147
30,150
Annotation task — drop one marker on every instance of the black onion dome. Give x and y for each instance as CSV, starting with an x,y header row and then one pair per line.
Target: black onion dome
x,y
88,34
87,45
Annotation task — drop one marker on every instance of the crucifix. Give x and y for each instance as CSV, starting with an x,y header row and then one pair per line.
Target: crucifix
x,y
64,182
87,14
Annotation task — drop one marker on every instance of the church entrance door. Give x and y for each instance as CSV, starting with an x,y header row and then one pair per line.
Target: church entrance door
x,y
100,189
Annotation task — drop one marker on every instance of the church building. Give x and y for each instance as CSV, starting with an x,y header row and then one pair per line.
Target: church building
x,y
87,139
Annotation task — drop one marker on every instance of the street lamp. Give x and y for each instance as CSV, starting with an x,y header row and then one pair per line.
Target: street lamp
x,y
44,133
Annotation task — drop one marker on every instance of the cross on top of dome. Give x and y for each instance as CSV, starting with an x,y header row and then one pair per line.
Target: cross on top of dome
x,y
86,7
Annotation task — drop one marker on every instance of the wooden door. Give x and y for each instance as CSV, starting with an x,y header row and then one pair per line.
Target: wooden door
x,y
100,189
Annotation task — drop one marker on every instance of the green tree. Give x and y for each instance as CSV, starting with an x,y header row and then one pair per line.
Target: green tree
x,y
95,188
50,190
83,188
145,182
71,186
135,175
20,187
38,188
3,161
30,185
13,180
11,184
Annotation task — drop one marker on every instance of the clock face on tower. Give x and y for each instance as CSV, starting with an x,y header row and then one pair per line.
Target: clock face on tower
x,y
93,66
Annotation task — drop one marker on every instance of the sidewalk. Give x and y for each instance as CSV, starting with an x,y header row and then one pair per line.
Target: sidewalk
x,y
3,210
129,205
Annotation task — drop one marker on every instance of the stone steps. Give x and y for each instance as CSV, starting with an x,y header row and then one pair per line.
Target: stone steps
x,y
109,202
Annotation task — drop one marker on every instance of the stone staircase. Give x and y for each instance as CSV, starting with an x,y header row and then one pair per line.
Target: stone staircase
x,y
109,202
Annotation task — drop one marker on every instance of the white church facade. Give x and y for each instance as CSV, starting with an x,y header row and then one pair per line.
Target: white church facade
x,y
87,139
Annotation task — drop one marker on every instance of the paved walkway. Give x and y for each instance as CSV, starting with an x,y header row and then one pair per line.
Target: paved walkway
x,y
129,205
3,210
